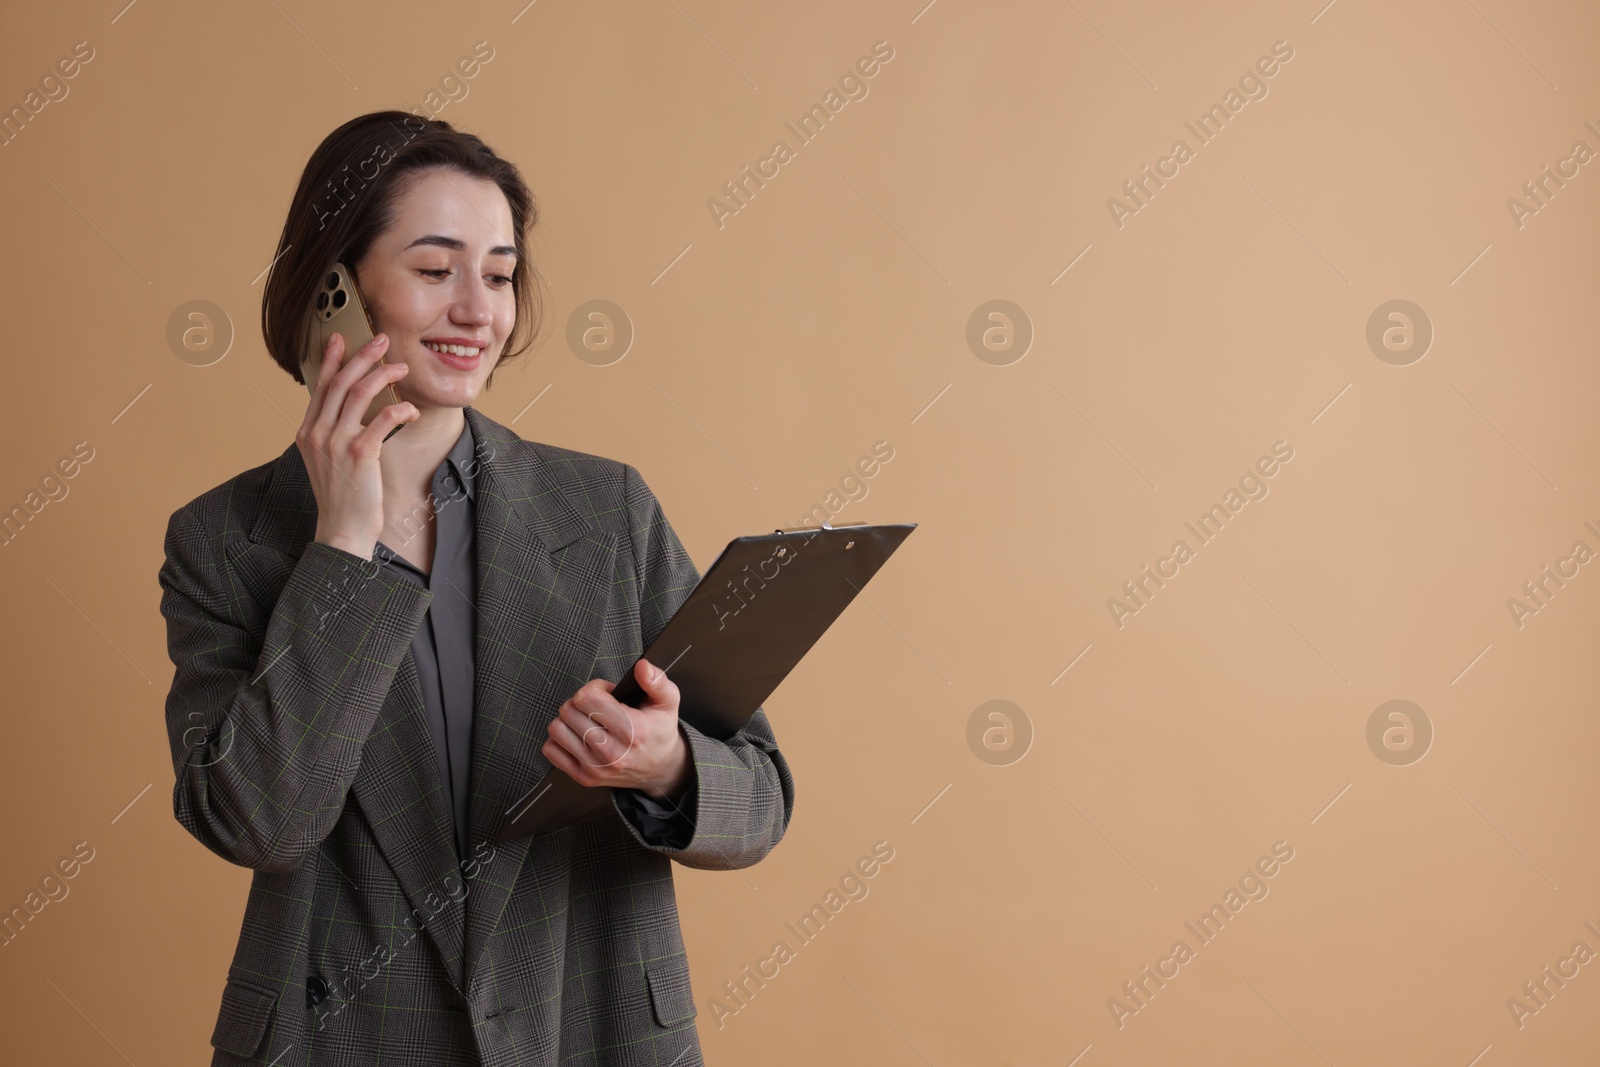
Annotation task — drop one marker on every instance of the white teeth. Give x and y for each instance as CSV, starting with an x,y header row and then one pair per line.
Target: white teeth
x,y
453,350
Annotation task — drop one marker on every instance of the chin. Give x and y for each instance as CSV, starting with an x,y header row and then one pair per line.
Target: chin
x,y
455,392
452,398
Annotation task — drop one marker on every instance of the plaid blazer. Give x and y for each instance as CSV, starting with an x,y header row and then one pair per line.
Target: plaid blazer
x,y
301,751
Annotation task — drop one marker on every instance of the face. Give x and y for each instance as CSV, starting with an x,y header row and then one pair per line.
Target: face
x,y
438,283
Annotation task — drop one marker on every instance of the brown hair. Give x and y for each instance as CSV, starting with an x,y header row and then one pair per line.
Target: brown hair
x,y
345,200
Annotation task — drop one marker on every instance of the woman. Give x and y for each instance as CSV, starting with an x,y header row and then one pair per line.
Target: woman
x,y
381,645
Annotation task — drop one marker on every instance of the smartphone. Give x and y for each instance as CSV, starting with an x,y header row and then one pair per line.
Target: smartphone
x,y
338,309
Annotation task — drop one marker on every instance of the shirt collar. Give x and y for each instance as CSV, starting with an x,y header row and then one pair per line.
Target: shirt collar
x,y
463,461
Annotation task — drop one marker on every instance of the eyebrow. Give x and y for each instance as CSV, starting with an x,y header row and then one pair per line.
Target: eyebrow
x,y
456,245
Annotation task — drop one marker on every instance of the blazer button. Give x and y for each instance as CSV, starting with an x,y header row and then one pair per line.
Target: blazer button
x,y
317,990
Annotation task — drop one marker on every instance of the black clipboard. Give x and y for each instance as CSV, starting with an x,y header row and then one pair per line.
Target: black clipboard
x,y
759,608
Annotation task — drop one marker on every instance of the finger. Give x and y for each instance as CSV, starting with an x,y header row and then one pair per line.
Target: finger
x,y
571,743
594,730
595,696
592,686
562,760
575,718
591,742
562,733
386,420
332,352
660,689
350,372
335,361
602,709
372,379
359,399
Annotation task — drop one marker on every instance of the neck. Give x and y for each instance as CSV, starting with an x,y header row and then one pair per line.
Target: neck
x,y
410,457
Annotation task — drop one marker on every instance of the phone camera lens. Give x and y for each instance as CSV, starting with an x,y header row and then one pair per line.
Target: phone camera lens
x,y
333,281
339,298
322,301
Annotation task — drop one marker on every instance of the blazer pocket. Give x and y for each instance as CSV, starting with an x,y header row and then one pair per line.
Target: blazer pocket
x,y
670,994
242,1023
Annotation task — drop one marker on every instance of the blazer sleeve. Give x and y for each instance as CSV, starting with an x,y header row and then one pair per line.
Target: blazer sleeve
x,y
743,792
267,731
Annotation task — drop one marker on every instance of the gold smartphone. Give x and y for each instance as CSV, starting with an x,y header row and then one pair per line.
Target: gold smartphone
x,y
338,308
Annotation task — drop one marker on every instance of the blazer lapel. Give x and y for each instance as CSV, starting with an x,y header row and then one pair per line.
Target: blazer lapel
x,y
544,578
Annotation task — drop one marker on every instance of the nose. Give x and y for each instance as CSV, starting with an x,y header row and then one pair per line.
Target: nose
x,y
471,306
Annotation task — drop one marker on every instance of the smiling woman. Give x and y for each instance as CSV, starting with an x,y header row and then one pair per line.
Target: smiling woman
x,y
464,188
356,721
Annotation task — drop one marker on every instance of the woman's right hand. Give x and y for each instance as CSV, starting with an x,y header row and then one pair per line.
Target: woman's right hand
x,y
341,455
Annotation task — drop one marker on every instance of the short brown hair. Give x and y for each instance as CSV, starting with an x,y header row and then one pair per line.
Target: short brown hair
x,y
345,200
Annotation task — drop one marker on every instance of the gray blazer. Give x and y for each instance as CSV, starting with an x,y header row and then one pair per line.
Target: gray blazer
x,y
301,751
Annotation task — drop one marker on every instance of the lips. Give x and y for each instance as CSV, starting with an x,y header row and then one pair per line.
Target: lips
x,y
461,357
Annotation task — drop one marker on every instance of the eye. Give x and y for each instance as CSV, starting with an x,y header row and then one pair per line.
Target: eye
x,y
501,279
438,273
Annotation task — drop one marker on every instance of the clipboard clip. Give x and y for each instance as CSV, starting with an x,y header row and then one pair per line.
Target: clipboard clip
x,y
825,526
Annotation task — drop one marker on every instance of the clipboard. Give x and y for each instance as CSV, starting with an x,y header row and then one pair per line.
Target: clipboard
x,y
759,608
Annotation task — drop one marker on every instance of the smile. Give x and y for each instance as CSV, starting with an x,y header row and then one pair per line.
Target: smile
x,y
452,350
459,357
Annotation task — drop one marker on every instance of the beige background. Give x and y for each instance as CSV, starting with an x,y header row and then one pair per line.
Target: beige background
x,y
830,313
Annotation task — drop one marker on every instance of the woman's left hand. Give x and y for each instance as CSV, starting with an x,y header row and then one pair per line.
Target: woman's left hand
x,y
598,741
